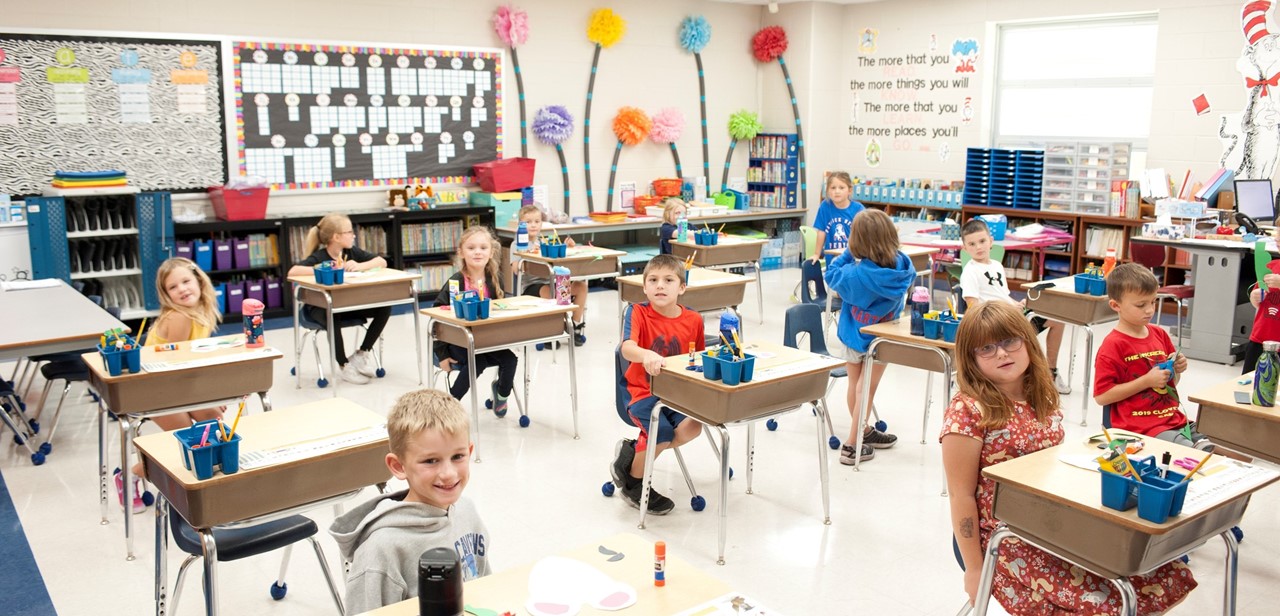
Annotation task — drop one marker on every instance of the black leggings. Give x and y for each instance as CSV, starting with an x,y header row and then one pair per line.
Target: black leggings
x,y
379,317
504,359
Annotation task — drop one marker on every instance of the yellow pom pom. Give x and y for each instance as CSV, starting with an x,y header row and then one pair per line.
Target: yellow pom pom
x,y
605,28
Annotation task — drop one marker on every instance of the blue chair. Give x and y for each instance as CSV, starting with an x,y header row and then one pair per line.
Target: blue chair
x,y
316,329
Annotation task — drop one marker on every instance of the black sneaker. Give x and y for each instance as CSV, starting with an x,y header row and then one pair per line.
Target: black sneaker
x,y
847,458
658,504
624,453
878,439
579,334
499,402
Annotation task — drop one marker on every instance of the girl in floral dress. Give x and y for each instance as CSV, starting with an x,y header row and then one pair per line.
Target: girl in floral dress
x,y
1008,407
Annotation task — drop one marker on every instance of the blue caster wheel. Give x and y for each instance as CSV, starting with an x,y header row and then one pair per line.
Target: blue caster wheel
x,y
278,590
1186,559
524,421
834,442
46,448
380,372
771,424
293,371
488,404
607,489
1235,530
698,503
322,383
730,473
18,440
37,458
540,346
35,426
148,498
882,426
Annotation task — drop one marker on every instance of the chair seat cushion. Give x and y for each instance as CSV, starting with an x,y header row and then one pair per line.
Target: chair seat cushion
x,y
67,356
839,373
1180,291
73,370
340,319
237,543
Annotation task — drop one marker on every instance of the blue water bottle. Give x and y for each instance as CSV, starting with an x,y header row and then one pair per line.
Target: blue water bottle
x,y
729,328
919,306
682,232
522,237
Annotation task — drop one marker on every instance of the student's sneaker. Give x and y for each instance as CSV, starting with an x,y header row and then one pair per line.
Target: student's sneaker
x,y
658,504
579,334
878,439
499,402
363,361
138,505
847,455
351,374
1061,384
624,454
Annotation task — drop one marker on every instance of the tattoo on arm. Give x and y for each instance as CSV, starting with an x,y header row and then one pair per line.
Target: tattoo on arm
x,y
966,528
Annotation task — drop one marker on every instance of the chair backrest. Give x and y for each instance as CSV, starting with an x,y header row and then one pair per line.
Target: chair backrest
x,y
1106,416
622,397
997,254
809,235
804,319
1149,256
811,272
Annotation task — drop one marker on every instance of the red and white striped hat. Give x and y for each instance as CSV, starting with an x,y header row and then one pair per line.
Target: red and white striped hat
x,y
1253,20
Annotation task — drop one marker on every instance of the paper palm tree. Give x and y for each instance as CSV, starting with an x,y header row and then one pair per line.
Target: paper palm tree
x,y
512,26
553,125
668,124
604,29
743,125
768,45
695,33
630,126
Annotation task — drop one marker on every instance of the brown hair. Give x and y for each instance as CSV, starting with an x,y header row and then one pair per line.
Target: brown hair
x,y
839,175
323,231
529,209
669,206
874,237
425,409
1130,278
664,262
991,322
204,313
491,275
975,225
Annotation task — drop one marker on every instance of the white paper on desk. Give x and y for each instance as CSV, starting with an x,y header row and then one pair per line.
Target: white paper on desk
x,y
1224,480
1080,460
1032,230
205,345
559,586
22,285
730,604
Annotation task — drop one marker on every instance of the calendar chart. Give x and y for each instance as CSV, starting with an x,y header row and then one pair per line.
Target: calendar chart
x,y
318,115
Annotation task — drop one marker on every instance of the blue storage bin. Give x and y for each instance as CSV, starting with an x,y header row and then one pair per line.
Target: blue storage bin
x,y
203,251
216,455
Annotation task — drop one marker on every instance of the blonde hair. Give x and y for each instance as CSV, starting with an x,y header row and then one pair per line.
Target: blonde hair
x,y
529,209
840,175
874,237
204,313
491,269
669,206
1129,278
323,231
988,323
425,409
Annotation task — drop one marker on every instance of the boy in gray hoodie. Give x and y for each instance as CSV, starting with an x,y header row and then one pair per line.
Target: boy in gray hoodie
x,y
381,540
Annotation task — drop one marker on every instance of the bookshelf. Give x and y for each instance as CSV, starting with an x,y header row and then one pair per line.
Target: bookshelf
x,y
1091,233
772,171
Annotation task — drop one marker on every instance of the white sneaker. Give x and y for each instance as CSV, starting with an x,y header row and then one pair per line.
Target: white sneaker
x,y
363,362
1061,384
351,374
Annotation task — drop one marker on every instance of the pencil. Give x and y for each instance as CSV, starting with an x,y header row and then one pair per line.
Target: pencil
x,y
236,423
738,342
1193,471
142,328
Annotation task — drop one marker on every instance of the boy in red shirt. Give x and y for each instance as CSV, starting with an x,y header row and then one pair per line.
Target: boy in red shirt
x,y
657,329
1266,324
1127,371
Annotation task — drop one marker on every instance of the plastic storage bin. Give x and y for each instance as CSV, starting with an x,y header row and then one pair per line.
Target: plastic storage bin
x,y
116,361
239,203
215,455
504,175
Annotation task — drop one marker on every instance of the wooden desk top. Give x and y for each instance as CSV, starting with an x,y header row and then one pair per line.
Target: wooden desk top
x,y
311,421
1222,396
899,330
782,362
517,307
50,315
699,278
1043,474
1066,286
371,277
725,240
906,249
221,346
508,590
577,253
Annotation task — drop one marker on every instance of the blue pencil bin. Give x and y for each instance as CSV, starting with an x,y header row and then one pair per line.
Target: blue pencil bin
x,y
328,273
1156,498
117,361
730,372
706,238
949,328
216,455
710,367
1082,283
473,310
1098,286
748,362
932,328
554,251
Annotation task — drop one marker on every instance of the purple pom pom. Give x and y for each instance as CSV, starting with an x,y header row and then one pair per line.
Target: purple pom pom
x,y
552,124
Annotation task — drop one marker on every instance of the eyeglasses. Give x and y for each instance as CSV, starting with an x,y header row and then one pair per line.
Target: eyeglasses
x,y
1010,345
347,232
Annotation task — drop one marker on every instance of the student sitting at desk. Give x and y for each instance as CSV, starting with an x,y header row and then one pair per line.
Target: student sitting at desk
x,y
334,239
1008,407
672,210
657,329
381,540
534,217
477,271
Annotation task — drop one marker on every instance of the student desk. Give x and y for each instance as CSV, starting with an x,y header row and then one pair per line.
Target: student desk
x,y
707,290
583,263
731,251
895,344
1254,430
508,590
784,379
1058,507
253,496
359,290
516,321
49,320
1057,300
172,382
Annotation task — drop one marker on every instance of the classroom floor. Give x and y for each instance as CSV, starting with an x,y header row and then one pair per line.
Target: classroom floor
x,y
887,550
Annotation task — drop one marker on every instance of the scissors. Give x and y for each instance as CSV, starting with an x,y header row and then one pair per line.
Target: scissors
x,y
1187,463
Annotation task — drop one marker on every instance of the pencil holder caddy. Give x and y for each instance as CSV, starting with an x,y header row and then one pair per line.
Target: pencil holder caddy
x,y
731,370
553,251
710,366
117,361
950,325
474,309
215,455
1082,283
1091,284
329,273
1156,498
932,325
706,238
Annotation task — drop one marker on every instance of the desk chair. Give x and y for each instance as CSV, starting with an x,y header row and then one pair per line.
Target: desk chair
x,y
15,418
315,328
459,368
1152,256
809,247
236,543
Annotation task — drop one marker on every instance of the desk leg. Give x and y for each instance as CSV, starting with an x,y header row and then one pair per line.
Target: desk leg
x,y
1088,374
724,491
417,331
127,430
1071,356
265,399
210,572
102,461
983,596
649,456
162,550
474,388
759,291
333,349
1128,598
1233,565
751,454
823,419
928,400
573,375
297,338
864,402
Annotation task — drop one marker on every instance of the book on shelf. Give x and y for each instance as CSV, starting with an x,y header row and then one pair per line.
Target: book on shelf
x,y
1098,239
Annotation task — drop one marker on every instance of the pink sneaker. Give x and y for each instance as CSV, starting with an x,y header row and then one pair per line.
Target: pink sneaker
x,y
138,505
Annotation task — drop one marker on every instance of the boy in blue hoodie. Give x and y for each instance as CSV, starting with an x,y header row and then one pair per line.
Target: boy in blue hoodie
x,y
872,278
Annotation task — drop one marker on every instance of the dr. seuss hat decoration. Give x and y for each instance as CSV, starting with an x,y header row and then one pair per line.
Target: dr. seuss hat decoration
x,y
553,125
695,33
512,26
668,125
630,126
743,125
604,29
1253,19
767,45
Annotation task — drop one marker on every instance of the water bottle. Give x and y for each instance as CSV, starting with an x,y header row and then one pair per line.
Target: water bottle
x,y
522,237
561,275
682,226
1266,375
1109,263
919,306
439,583
729,328
252,311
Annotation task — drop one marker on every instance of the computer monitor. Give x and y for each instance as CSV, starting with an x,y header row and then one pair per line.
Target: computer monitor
x,y
1255,199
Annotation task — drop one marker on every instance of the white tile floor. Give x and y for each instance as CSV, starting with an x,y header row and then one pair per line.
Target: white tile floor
x,y
887,550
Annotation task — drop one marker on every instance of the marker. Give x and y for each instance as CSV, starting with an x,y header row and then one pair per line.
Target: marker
x,y
1164,465
204,440
660,563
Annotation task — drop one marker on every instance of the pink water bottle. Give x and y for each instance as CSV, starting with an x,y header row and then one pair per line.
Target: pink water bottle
x,y
561,275
252,310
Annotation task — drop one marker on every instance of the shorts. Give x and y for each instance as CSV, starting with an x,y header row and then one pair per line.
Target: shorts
x,y
668,419
1196,440
1037,321
854,357
534,289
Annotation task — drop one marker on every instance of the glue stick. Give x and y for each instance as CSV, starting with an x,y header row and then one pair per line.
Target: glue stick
x,y
660,563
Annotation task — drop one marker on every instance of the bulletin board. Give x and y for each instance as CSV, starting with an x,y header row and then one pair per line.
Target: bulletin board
x,y
314,115
151,107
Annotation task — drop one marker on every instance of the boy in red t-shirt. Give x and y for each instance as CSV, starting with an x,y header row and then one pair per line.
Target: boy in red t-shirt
x,y
1266,324
656,330
1127,371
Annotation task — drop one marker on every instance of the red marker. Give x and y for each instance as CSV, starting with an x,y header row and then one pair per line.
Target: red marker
x,y
660,564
